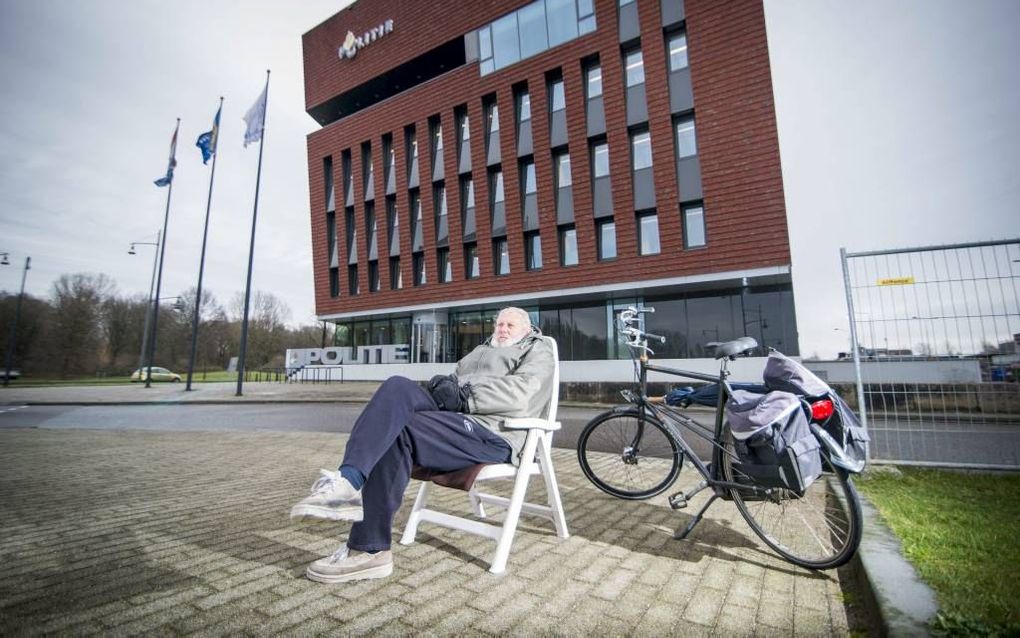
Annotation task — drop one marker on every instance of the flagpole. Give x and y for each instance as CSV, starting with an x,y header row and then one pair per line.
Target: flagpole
x,y
251,247
201,261
159,276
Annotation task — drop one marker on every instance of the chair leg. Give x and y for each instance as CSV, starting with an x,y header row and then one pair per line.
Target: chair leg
x,y
551,487
411,529
513,512
476,503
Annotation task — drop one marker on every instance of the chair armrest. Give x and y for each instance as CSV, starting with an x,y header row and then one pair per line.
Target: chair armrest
x,y
531,423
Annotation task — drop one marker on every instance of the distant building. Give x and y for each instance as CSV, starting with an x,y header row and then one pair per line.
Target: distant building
x,y
571,157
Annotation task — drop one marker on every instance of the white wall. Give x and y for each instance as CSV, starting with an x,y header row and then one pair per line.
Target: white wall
x,y
957,371
748,370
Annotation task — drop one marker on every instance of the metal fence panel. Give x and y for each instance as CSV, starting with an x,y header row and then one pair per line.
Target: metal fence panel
x,y
935,334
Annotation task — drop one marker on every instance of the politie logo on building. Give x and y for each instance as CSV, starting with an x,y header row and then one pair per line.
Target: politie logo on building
x,y
352,43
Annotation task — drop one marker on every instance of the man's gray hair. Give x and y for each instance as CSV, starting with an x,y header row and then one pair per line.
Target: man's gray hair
x,y
520,312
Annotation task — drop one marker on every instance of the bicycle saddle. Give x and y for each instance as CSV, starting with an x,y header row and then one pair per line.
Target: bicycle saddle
x,y
732,348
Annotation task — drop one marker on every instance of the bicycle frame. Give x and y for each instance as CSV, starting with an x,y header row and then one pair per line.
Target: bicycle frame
x,y
712,476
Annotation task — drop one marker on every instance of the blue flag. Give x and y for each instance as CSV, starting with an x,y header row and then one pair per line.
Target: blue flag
x,y
207,141
172,163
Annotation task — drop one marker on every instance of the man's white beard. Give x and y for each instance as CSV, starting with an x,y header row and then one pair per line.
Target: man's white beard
x,y
509,342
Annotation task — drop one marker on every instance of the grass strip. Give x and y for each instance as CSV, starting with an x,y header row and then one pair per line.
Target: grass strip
x,y
960,530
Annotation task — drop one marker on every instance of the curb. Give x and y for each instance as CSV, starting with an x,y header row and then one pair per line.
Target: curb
x,y
900,602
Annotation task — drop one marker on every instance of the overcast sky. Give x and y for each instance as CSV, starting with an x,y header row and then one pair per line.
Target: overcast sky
x,y
899,125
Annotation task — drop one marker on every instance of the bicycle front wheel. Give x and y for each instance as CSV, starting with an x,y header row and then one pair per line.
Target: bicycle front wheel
x,y
628,454
819,530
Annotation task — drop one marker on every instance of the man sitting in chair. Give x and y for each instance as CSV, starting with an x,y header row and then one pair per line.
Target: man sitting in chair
x,y
453,426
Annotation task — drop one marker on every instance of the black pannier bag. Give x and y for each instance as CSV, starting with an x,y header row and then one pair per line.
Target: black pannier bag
x,y
783,373
773,441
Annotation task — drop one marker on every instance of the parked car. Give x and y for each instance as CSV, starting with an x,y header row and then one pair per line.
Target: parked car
x,y
158,374
14,374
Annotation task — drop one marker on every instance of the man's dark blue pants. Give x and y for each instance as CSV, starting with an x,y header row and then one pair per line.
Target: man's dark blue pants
x,y
402,426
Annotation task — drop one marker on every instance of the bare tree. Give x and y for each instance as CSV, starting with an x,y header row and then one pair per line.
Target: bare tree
x,y
76,329
267,330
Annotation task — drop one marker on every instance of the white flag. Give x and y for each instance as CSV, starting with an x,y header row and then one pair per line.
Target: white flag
x,y
255,118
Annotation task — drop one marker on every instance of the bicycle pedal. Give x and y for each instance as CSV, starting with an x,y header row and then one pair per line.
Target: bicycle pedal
x,y
678,501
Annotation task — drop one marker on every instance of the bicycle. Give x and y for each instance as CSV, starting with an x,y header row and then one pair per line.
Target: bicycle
x,y
636,450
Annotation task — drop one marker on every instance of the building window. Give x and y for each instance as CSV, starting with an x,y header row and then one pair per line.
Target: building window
x,y
641,150
563,179
396,279
524,107
600,160
497,207
497,187
635,68
686,140
694,226
532,251
531,26
532,29
568,246
585,16
493,119
564,192
369,173
606,239
417,228
373,276
444,267
467,207
419,269
442,225
594,86
393,226
678,51
648,234
472,269
529,202
558,101
391,167
501,256
353,287
530,186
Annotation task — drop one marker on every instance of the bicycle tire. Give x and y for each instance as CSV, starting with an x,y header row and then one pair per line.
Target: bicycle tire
x,y
819,530
609,459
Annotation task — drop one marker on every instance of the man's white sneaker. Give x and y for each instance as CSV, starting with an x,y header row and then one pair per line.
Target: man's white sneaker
x,y
333,498
344,565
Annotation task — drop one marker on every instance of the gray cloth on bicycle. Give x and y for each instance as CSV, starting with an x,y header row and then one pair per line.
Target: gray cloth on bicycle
x,y
783,373
750,413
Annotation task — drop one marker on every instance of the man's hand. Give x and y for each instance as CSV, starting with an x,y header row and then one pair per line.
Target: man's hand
x,y
448,395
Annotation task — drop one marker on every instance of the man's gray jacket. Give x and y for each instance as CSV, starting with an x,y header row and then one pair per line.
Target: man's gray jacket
x,y
508,382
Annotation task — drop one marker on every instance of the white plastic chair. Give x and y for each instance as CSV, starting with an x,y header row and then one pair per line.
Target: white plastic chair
x,y
535,459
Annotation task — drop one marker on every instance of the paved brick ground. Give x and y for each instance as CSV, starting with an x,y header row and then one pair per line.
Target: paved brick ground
x,y
129,532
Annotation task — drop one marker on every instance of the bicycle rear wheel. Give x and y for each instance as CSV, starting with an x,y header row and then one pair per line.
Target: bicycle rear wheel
x,y
819,530
628,455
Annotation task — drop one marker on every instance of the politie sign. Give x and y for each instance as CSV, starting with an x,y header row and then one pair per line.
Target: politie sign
x,y
354,43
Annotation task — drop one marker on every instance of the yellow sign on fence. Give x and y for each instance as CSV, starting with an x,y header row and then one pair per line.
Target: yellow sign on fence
x,y
896,281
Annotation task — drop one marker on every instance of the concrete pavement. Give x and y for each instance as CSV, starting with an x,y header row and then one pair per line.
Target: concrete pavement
x,y
129,531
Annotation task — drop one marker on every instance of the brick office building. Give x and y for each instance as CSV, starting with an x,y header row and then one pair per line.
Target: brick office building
x,y
567,156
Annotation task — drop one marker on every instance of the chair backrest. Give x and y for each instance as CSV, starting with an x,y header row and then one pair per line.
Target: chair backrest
x,y
554,398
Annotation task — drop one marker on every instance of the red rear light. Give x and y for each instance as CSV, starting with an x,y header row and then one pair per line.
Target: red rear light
x,y
821,410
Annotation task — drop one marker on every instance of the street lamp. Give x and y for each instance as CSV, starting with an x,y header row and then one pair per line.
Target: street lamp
x,y
152,284
12,341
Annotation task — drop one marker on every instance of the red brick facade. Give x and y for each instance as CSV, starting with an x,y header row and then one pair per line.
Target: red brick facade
x,y
745,215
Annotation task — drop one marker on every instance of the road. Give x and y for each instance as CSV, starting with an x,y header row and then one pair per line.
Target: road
x,y
969,443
